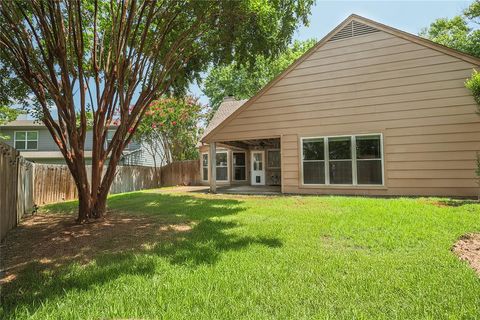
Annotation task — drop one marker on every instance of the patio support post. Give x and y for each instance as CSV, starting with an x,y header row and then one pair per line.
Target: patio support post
x,y
213,167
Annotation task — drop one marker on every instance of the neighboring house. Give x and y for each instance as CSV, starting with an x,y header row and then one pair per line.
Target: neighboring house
x,y
35,144
369,110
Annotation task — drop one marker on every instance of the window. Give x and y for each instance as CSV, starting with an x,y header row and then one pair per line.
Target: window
x,y
222,165
340,160
273,157
313,161
351,160
26,140
239,166
205,166
110,134
369,160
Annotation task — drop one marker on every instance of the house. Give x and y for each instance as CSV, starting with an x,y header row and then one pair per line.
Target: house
x,y
35,144
369,110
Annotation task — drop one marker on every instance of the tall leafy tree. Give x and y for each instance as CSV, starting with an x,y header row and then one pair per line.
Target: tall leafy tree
x,y
114,57
461,32
244,80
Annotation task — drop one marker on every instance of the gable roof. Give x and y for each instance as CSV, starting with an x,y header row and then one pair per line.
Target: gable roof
x,y
344,30
226,108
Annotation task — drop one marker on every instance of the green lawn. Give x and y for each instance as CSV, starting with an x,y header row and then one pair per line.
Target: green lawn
x,y
280,257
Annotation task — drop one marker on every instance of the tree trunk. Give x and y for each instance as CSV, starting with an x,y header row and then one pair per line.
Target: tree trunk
x,y
84,204
90,205
91,202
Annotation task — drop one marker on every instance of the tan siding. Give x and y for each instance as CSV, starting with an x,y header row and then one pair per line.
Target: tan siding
x,y
376,64
473,136
341,101
422,116
376,83
432,147
432,156
365,82
398,53
430,165
371,44
431,174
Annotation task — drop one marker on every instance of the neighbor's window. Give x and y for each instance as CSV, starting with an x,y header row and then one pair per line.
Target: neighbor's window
x,y
239,166
273,157
110,134
340,160
345,164
222,166
313,161
26,140
205,166
369,160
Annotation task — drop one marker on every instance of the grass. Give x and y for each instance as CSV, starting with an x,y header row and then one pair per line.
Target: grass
x,y
267,258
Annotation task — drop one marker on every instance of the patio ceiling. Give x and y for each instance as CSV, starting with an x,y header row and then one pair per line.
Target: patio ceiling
x,y
254,144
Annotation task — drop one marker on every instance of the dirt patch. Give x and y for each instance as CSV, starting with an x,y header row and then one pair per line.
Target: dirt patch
x,y
55,240
468,249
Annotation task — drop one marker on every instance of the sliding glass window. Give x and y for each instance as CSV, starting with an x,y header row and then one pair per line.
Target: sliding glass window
x,y
344,160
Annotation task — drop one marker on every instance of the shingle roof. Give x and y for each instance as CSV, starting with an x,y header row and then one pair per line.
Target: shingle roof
x,y
226,108
23,123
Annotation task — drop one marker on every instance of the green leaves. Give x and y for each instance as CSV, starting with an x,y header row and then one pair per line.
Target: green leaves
x,y
8,114
243,80
458,33
173,122
473,84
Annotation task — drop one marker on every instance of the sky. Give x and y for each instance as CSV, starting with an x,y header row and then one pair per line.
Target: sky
x,y
409,16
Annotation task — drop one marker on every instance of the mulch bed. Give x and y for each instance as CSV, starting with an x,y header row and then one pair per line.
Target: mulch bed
x,y
468,249
54,240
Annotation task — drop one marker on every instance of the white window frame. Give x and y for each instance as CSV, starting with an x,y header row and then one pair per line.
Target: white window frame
x,y
235,166
227,166
354,161
107,141
203,167
26,139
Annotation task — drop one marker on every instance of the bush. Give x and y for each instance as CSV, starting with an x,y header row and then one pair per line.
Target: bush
x,y
474,85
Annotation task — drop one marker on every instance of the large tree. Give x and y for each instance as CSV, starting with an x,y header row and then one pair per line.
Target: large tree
x,y
244,80
460,32
114,57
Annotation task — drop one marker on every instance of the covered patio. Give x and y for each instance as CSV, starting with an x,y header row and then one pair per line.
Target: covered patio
x,y
250,166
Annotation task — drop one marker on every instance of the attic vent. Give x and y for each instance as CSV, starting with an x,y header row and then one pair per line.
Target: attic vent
x,y
353,29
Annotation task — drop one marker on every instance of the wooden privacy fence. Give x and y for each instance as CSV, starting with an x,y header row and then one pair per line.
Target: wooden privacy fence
x,y
24,184
54,183
185,173
16,188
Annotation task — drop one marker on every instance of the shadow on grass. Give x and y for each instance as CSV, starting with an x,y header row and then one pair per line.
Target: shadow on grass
x,y
181,229
456,202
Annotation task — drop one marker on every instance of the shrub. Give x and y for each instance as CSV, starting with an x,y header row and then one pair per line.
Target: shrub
x,y
474,85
